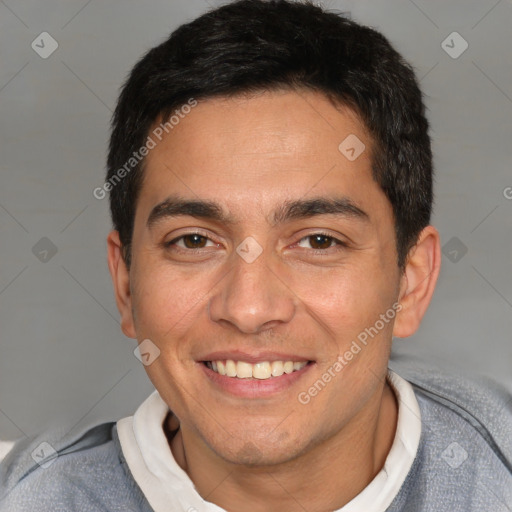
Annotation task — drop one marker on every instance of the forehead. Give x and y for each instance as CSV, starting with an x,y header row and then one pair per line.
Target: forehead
x,y
266,123
248,151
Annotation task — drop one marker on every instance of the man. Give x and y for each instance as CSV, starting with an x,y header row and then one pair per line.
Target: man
x,y
270,179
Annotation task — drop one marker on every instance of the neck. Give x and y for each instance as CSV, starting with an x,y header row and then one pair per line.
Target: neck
x,y
325,478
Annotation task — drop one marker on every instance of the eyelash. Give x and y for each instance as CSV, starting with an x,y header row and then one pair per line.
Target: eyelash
x,y
341,245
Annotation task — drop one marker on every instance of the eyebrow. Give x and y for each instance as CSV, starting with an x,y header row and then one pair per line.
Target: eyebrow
x,y
175,206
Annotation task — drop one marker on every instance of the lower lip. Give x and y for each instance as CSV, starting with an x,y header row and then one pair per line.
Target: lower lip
x,y
255,388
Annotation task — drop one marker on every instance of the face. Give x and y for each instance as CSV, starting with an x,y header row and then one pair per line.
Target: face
x,y
296,260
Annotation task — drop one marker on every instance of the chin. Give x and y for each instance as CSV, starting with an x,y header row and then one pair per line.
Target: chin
x,y
259,453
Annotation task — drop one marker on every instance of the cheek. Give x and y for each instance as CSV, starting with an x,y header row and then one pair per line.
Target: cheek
x,y
166,300
166,305
346,300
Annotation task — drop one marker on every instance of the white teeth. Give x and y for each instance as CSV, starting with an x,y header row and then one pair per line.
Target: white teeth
x,y
230,368
263,370
243,370
221,367
288,367
277,368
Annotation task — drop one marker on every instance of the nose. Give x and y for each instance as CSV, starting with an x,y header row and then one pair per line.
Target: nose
x,y
252,297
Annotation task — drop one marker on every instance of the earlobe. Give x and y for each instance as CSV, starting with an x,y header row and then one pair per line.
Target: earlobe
x,y
121,282
418,282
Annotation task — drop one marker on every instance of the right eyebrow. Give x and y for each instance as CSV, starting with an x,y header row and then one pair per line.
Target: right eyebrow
x,y
175,206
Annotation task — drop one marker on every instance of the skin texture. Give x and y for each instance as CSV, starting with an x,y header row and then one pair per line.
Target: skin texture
x,y
251,154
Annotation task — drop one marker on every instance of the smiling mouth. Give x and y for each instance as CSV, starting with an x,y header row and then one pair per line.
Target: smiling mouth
x,y
263,370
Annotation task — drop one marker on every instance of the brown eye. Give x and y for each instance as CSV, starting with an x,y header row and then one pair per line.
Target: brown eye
x,y
320,241
194,241
189,241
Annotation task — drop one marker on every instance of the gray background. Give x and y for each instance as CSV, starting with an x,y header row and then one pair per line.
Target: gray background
x,y
63,356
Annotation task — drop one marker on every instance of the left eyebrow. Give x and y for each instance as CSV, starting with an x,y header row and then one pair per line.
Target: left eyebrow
x,y
175,206
307,208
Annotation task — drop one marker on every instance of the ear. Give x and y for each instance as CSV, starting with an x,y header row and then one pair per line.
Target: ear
x,y
418,282
121,281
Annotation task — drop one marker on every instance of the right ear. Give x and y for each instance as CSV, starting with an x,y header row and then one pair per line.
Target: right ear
x,y
121,281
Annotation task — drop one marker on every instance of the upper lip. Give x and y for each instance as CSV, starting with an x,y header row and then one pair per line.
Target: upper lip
x,y
252,357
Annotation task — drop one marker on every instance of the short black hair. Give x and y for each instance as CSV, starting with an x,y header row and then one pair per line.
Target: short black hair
x,y
255,45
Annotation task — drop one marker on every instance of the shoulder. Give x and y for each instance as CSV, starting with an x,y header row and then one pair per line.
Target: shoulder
x,y
483,404
60,471
465,452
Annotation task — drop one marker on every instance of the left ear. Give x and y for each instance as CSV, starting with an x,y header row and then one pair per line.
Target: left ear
x,y
418,282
